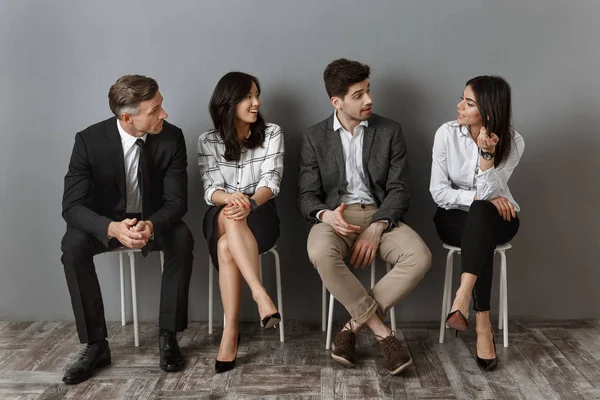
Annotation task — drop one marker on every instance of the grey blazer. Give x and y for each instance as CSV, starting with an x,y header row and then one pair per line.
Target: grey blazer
x,y
322,177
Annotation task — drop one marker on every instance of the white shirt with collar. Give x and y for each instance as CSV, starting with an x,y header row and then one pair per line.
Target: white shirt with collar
x,y
356,190
131,155
455,173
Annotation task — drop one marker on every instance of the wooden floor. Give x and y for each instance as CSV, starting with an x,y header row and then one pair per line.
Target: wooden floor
x,y
545,360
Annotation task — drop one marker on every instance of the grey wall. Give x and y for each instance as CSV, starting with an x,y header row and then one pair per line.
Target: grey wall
x,y
58,59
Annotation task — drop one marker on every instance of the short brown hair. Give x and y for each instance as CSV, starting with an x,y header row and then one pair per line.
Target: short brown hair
x,y
341,74
129,91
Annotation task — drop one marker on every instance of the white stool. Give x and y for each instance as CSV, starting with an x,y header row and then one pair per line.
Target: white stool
x,y
446,299
130,252
332,301
273,251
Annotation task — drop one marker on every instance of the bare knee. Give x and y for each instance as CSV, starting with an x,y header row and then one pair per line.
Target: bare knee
x,y
223,249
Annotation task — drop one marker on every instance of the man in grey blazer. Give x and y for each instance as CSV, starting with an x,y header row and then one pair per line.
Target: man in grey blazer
x,y
354,185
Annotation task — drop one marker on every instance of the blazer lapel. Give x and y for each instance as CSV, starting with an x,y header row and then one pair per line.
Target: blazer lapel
x,y
115,150
335,144
369,136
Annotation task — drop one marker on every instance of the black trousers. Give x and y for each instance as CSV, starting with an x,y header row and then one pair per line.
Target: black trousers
x,y
79,249
477,232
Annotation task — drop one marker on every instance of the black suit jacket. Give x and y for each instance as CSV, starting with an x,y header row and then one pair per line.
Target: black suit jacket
x,y
322,176
94,193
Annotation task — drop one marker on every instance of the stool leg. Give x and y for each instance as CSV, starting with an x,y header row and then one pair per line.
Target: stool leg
x,y
504,298
279,294
373,274
136,335
210,296
260,277
445,296
329,322
324,309
388,267
122,277
500,302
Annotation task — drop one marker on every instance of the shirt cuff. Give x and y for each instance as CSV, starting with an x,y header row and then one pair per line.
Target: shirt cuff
x,y
466,197
318,215
387,222
209,192
269,184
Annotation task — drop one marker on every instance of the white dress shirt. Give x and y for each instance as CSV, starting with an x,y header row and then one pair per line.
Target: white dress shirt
x,y
258,167
455,173
356,190
131,154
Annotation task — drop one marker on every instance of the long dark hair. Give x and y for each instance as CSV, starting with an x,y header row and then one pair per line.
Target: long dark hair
x,y
492,94
230,90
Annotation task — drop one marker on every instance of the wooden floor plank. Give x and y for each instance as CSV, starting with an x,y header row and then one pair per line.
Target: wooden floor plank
x,y
549,360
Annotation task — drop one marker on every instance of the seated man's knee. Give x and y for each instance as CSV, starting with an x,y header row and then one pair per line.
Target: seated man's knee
x,y
321,253
76,244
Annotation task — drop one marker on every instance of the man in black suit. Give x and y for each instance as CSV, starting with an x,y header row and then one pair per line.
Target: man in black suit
x,y
127,186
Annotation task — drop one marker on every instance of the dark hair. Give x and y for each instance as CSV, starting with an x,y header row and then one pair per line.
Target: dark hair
x,y
128,92
230,90
492,94
340,74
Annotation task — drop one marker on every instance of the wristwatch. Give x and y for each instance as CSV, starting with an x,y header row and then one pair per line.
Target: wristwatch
x,y
486,156
253,205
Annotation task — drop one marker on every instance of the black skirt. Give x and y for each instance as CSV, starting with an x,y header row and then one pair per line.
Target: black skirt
x,y
263,222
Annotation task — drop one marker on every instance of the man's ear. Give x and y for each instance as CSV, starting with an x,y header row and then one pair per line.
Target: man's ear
x,y
336,102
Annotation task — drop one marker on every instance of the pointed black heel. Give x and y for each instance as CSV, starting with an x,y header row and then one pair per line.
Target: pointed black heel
x,y
457,320
271,321
224,366
488,365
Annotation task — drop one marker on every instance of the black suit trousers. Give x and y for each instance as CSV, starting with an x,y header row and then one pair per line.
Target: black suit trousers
x,y
79,249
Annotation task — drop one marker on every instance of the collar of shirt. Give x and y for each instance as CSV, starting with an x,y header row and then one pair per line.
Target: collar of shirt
x,y
337,124
126,139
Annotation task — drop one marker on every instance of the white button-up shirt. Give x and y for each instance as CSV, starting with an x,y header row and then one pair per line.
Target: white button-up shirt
x,y
131,155
455,173
357,191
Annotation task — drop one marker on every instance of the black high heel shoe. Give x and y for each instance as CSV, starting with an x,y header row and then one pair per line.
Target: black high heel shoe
x,y
488,365
271,321
457,320
224,366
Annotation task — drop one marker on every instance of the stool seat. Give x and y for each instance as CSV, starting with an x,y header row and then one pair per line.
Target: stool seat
x,y
500,247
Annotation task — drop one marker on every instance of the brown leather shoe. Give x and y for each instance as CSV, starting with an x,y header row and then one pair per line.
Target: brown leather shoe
x,y
395,358
343,348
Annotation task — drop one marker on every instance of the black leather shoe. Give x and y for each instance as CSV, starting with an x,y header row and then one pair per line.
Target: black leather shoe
x,y
171,358
224,366
96,355
491,364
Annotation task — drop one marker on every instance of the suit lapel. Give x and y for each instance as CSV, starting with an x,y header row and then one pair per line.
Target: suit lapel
x,y
115,151
335,144
369,136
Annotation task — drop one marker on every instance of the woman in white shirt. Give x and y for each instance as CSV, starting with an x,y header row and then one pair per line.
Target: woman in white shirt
x,y
241,165
473,159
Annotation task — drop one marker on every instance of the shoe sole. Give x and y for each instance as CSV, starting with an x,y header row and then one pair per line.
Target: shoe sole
x,y
101,364
401,368
341,360
172,368
272,323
